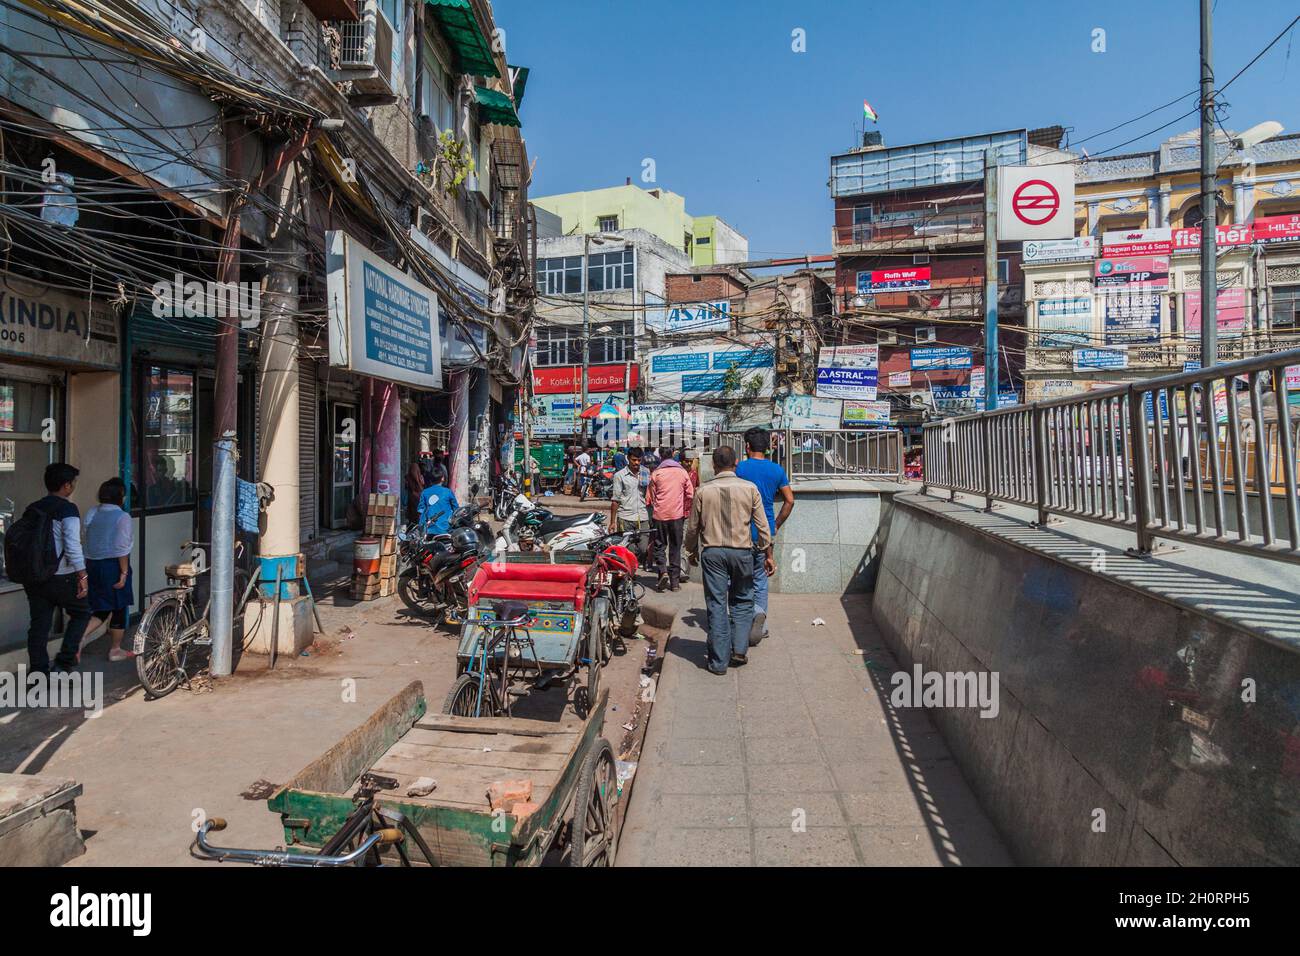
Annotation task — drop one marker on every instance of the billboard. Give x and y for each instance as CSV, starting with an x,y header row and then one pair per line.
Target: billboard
x,y
848,371
1131,316
1064,322
1141,272
382,322
567,379
858,414
685,317
717,370
1229,312
1078,249
940,357
894,280
810,413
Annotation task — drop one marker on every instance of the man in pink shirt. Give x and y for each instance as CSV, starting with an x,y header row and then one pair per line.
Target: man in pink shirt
x,y
669,499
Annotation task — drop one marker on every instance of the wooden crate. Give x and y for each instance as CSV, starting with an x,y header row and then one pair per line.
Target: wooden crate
x,y
388,586
388,566
388,544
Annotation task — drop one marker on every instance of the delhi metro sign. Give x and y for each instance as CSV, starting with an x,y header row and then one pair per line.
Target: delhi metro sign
x,y
1036,202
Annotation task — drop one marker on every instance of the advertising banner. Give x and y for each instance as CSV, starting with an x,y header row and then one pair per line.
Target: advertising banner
x,y
900,380
1078,249
848,371
1229,312
940,357
1270,229
894,280
1131,316
682,318
1064,322
382,322
567,379
1128,243
1186,240
1133,272
976,383
810,412
705,371
1100,358
873,414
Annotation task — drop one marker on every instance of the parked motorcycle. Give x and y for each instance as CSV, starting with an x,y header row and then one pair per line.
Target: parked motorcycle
x,y
436,583
549,529
618,565
504,492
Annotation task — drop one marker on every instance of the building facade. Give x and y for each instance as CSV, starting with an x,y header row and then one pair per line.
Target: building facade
x,y
179,193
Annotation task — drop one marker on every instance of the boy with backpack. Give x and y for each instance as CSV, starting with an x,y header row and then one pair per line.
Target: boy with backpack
x,y
42,552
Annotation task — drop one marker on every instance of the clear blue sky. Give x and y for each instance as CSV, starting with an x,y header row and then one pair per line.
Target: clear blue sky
x,y
743,127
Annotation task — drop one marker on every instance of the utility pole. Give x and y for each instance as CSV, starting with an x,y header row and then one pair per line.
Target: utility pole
x,y
225,427
990,280
586,329
1209,199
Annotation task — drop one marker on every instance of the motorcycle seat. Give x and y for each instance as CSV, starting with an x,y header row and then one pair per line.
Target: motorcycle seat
x,y
552,525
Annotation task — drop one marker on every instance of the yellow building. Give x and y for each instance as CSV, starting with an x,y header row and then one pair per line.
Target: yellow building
x,y
1121,301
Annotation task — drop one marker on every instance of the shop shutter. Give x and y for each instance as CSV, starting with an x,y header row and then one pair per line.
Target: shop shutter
x,y
308,459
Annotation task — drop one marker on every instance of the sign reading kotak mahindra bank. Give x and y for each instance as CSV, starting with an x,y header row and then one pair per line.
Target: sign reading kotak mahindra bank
x,y
1036,202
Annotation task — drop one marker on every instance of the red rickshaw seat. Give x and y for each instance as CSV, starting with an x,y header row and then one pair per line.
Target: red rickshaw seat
x,y
531,582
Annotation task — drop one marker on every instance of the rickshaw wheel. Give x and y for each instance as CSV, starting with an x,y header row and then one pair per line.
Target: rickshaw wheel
x,y
594,840
463,696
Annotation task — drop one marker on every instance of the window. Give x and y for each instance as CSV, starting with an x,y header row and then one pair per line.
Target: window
x,y
607,224
1004,271
686,243
25,408
618,344
558,345
610,270
559,276
703,241
1284,307
167,446
921,258
437,100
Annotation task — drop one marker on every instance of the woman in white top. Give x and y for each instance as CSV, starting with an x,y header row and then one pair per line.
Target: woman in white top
x,y
108,563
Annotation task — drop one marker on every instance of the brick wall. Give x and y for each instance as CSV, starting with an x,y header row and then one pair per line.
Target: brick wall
x,y
700,287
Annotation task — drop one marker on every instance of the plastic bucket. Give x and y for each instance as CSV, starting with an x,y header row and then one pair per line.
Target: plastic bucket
x,y
365,556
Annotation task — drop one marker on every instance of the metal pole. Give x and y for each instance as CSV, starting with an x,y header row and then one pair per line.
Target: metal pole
x,y
586,328
990,280
225,426
1209,199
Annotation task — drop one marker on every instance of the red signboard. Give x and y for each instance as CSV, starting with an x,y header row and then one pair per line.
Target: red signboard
x,y
1277,228
567,379
1136,242
1224,236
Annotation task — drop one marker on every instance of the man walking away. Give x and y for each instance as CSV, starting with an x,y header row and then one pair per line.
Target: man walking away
x,y
771,480
584,466
669,498
627,508
43,553
719,539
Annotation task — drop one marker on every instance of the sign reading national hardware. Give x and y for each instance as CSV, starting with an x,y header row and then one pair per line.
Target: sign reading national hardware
x,y
382,322
1080,248
848,371
894,280
682,318
44,324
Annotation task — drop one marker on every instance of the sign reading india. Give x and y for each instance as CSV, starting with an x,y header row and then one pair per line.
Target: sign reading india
x,y
38,322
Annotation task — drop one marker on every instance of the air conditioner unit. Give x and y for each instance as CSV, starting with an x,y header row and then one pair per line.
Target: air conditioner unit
x,y
920,258
926,334
366,54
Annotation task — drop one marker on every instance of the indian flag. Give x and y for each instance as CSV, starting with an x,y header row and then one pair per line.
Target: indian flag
x,y
869,113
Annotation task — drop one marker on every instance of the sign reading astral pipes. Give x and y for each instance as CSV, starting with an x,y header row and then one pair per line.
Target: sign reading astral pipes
x,y
382,322
848,371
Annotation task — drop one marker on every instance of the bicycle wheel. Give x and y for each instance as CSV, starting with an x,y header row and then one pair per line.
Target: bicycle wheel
x,y
160,655
462,699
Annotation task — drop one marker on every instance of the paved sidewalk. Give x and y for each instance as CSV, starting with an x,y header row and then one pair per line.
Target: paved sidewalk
x,y
796,758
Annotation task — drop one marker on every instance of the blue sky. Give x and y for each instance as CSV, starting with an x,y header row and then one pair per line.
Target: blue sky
x,y
743,127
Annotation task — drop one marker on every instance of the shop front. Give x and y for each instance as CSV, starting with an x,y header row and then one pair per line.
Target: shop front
x,y
60,373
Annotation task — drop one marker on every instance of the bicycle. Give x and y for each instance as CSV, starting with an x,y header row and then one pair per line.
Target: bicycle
x,y
171,626
484,690
367,832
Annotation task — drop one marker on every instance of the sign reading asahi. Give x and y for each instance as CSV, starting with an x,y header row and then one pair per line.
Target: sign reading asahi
x,y
40,323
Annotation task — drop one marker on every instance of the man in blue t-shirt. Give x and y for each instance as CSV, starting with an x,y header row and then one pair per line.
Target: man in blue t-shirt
x,y
437,503
771,480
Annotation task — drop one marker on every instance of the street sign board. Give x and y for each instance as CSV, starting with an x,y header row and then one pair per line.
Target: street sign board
x,y
1036,202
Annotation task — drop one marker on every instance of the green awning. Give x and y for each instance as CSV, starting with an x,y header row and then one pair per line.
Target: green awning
x,y
494,107
468,45
521,81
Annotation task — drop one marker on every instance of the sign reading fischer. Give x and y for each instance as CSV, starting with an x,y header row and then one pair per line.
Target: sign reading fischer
x,y
40,323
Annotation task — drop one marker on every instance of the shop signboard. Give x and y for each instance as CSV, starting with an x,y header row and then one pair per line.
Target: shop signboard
x,y
1132,272
848,371
1127,243
1064,322
684,317
1078,249
894,280
382,322
810,413
1271,229
601,379
42,324
1230,311
866,414
940,358
717,370
1225,237
1110,358
1131,316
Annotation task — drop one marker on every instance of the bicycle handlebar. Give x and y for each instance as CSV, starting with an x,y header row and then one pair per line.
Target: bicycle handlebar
x,y
385,837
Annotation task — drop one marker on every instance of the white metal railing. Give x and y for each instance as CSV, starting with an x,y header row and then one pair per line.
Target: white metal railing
x,y
831,453
1207,456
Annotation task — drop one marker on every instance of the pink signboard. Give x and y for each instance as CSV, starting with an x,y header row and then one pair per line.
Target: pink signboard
x,y
1230,311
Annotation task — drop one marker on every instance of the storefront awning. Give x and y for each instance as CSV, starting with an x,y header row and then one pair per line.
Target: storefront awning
x,y
494,107
518,83
468,45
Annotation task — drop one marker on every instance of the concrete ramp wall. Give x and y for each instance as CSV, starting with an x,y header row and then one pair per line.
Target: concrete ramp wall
x,y
1122,736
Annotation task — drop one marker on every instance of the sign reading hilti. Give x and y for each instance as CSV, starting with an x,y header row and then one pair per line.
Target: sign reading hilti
x,y
1277,228
1128,243
894,280
1036,202
1186,240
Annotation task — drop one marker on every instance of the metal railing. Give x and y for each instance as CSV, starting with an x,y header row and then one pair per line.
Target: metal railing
x,y
1206,456
831,453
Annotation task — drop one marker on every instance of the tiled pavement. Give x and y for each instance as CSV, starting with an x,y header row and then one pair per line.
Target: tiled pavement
x,y
796,758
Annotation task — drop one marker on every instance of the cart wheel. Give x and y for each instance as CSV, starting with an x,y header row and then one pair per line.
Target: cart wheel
x,y
594,840
463,698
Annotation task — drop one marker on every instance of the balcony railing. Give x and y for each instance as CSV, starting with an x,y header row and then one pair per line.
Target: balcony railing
x,y
904,234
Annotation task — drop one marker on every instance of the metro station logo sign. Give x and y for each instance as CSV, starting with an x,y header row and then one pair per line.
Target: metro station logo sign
x,y
1036,202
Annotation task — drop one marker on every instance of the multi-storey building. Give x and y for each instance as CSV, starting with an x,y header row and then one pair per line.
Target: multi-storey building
x,y
351,171
908,237
1144,209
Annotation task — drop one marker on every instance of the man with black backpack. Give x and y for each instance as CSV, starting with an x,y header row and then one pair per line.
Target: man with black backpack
x,y
43,553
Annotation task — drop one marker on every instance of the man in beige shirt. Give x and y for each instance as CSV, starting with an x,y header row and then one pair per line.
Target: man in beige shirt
x,y
718,539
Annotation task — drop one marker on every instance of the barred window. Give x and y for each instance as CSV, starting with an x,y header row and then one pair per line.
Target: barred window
x,y
1284,307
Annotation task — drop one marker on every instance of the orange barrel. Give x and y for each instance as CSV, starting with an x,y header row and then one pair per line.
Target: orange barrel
x,y
365,556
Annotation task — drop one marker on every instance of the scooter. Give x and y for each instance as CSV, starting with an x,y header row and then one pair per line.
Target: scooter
x,y
547,527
